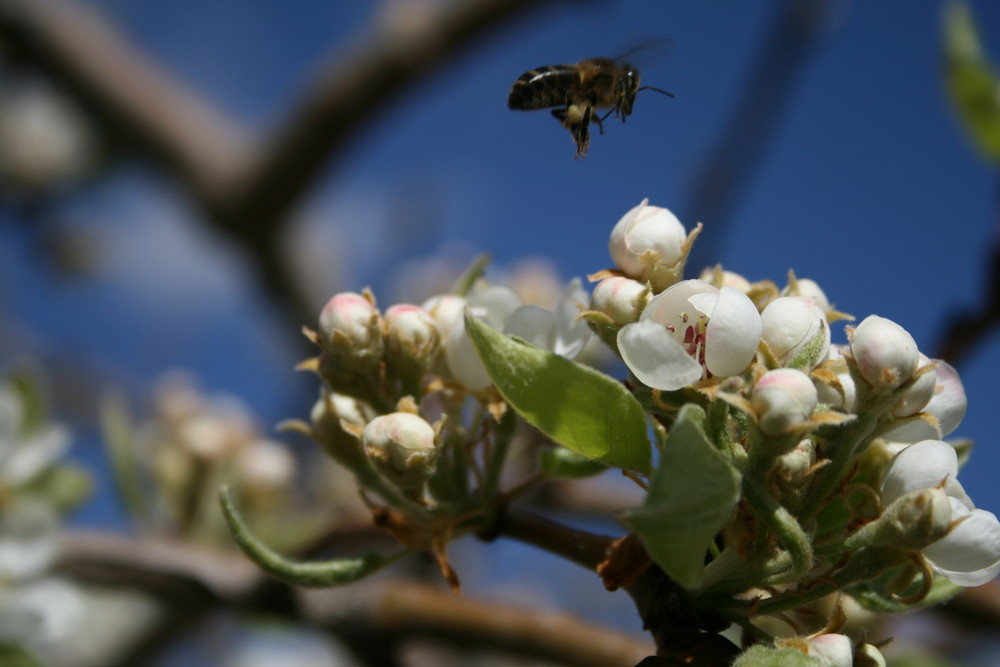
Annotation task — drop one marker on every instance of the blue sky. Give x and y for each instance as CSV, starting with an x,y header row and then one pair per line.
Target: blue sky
x,y
868,184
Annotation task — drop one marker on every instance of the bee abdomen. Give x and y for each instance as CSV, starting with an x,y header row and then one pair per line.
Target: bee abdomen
x,y
546,86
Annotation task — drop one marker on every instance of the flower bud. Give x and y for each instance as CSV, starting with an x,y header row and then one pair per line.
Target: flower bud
x,y
264,469
792,467
796,331
720,277
805,287
915,520
648,245
830,394
885,352
948,405
867,655
621,299
918,395
784,399
445,310
329,415
411,338
402,446
349,331
832,650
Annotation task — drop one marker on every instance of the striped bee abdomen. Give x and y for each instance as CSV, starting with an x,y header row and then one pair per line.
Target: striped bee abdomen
x,y
542,87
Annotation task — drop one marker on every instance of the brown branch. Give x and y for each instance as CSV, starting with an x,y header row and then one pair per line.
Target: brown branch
x,y
193,583
966,330
129,97
578,546
246,192
350,91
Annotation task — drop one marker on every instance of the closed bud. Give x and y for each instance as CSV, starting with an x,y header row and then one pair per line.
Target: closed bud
x,y
783,399
649,244
796,331
915,520
402,446
885,352
411,339
349,331
621,299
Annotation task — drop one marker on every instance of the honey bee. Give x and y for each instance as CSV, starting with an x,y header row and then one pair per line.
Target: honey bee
x,y
580,91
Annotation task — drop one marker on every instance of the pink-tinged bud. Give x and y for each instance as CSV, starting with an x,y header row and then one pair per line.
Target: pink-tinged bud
x,y
411,337
805,287
349,331
885,352
832,650
649,245
402,446
783,399
796,331
621,299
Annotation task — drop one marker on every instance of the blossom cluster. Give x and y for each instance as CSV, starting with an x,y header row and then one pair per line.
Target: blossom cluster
x,y
768,352
789,467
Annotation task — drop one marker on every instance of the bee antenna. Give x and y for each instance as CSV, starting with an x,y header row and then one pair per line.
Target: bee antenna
x,y
659,90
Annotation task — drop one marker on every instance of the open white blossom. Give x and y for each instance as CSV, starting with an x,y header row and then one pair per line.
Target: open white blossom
x,y
690,331
969,555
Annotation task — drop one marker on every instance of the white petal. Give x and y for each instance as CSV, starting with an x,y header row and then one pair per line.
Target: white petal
x,y
666,306
463,359
970,554
534,324
572,332
656,359
920,466
497,301
733,333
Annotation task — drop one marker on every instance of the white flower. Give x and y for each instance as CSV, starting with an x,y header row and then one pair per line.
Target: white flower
x,y
885,352
796,331
557,330
690,331
947,405
969,555
783,400
647,244
919,394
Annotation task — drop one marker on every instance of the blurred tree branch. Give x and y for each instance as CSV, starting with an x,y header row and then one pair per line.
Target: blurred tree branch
x,y
246,189
191,583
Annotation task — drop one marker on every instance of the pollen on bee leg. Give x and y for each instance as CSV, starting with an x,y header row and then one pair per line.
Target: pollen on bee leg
x,y
573,115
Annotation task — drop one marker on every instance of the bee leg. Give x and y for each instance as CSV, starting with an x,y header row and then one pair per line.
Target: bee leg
x,y
581,133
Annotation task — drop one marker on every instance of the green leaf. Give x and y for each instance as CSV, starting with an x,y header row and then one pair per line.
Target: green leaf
x,y
567,464
971,79
314,575
691,498
12,655
472,273
575,405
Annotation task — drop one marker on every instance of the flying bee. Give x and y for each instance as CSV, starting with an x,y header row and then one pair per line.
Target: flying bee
x,y
579,91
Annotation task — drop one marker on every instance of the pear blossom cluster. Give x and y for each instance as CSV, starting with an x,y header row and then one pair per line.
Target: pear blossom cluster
x,y
821,442
768,351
